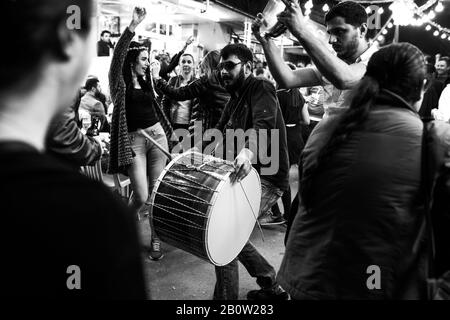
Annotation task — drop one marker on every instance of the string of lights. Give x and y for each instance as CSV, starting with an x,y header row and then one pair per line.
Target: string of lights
x,y
403,12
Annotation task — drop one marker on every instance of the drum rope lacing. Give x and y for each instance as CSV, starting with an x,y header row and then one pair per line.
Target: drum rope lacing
x,y
201,214
202,187
181,231
167,195
188,225
173,185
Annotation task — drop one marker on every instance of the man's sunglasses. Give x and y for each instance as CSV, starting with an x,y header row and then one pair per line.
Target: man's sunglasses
x,y
227,65
186,61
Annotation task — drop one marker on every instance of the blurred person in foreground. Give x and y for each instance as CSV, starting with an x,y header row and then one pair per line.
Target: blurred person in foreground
x,y
361,196
83,242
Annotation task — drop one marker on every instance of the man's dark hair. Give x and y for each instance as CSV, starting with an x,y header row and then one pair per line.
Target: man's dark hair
x,y
33,32
430,68
352,12
446,59
429,59
104,32
238,49
91,83
188,54
259,71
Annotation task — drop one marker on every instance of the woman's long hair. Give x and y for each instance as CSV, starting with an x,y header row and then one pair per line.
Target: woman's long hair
x,y
399,68
134,51
210,62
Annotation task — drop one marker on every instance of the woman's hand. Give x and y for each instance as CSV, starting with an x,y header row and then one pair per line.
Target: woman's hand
x,y
155,68
188,42
139,15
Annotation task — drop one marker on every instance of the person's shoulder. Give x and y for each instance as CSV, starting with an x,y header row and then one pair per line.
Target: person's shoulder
x,y
446,88
366,55
87,99
97,103
440,130
173,79
67,185
193,79
263,84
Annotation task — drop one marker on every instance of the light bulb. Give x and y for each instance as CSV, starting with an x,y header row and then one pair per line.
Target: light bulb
x,y
428,27
436,33
384,31
390,25
381,10
326,8
439,7
443,36
431,15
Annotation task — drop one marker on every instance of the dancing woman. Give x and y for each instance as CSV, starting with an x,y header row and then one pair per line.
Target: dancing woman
x,y
135,108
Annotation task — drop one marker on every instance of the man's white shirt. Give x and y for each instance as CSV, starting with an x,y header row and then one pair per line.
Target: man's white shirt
x,y
334,99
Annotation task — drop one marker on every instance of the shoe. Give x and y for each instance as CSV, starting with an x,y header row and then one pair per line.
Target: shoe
x,y
275,294
155,250
270,220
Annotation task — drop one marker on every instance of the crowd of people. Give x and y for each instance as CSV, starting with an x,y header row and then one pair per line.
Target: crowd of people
x,y
374,173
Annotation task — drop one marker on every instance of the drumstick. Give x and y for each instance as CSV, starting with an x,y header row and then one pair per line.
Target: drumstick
x,y
256,218
160,147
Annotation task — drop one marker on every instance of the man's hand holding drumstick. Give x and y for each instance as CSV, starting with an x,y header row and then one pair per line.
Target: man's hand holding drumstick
x,y
242,165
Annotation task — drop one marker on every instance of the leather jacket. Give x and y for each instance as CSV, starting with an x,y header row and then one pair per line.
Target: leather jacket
x,y
66,141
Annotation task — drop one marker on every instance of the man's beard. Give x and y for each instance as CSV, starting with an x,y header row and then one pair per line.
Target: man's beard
x,y
236,85
350,49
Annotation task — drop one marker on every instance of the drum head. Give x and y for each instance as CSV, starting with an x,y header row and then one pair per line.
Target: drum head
x,y
232,220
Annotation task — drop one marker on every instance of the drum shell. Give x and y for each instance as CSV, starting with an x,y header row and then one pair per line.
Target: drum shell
x,y
177,231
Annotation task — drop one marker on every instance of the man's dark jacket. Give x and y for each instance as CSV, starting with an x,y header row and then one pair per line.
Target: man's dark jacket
x,y
66,142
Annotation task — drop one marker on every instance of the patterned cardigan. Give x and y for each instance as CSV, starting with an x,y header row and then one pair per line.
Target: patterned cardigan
x,y
121,154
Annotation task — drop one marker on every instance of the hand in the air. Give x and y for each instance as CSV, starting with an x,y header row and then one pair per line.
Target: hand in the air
x,y
139,15
190,40
256,26
242,165
292,17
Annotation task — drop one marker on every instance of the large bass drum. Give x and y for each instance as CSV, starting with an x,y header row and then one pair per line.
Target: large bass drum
x,y
197,209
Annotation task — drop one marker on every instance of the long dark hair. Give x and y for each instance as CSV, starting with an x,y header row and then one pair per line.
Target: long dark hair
x,y
399,68
211,61
134,51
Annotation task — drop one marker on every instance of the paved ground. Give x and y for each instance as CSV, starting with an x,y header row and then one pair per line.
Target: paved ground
x,y
183,276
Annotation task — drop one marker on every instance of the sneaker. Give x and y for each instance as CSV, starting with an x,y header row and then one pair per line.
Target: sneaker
x,y
270,220
275,294
155,250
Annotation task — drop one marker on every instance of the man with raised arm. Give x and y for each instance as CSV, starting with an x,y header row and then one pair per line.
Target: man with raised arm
x,y
336,71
